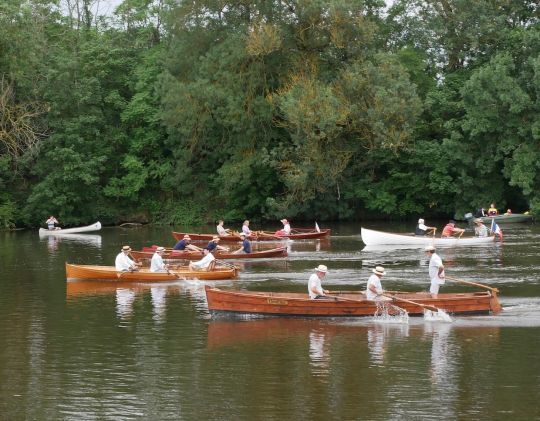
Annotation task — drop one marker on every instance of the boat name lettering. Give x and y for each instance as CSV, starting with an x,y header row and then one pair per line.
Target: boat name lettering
x,y
277,301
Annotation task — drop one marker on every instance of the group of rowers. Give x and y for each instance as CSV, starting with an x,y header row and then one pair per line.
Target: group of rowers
x,y
221,230
450,229
374,290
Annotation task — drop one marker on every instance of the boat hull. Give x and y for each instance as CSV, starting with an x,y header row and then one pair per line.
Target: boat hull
x,y
110,273
258,236
345,304
88,228
377,238
507,219
192,255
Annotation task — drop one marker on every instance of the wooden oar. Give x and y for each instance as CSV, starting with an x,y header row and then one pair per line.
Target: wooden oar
x,y
472,283
429,307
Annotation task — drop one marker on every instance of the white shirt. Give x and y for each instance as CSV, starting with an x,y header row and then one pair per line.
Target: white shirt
x,y
204,262
314,283
481,231
287,228
246,230
434,264
221,230
157,265
123,262
423,227
376,282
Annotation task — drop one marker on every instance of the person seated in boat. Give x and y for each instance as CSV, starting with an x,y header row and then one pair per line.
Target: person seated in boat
x,y
492,211
315,289
436,271
221,230
185,244
123,263
50,223
508,212
450,230
246,245
157,264
208,262
213,245
286,229
374,288
480,229
423,229
245,228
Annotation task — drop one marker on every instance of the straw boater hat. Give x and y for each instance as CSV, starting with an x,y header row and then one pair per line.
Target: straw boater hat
x,y
379,270
187,237
160,249
126,248
429,248
321,268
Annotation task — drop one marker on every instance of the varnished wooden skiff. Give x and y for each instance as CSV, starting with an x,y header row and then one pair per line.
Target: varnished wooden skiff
x,y
147,253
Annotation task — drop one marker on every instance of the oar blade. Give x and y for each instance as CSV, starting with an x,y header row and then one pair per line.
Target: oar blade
x,y
437,316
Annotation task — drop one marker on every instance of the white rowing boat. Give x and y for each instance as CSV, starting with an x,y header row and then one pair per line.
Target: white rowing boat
x,y
377,238
76,230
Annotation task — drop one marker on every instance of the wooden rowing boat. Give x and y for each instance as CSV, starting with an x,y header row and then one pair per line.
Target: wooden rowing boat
x,y
296,234
376,238
346,304
507,219
109,272
75,230
170,254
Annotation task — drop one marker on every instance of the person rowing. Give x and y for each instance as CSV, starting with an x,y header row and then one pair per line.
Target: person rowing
x,y
374,290
208,262
213,245
450,230
246,245
221,230
123,263
423,229
157,264
185,244
286,229
315,289
50,223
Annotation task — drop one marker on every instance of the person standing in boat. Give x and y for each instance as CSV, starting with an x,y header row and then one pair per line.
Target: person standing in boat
x,y
286,229
123,263
423,229
50,223
221,230
450,229
436,271
157,264
374,288
185,244
246,245
480,229
492,211
206,263
315,289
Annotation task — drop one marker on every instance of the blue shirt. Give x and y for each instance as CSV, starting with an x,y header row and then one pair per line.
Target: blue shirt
x,y
211,246
246,245
181,245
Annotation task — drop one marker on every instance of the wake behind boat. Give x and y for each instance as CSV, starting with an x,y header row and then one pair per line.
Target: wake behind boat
x,y
377,238
346,304
75,230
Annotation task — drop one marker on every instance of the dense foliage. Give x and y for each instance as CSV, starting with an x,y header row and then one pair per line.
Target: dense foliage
x,y
187,111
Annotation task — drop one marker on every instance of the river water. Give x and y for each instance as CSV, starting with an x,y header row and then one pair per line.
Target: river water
x,y
96,351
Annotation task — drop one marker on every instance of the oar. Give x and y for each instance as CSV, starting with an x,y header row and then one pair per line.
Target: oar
x,y
495,290
429,307
226,264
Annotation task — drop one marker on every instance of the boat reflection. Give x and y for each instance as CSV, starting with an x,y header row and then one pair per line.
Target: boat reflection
x,y
93,240
124,302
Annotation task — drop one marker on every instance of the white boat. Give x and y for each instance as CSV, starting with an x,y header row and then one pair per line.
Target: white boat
x,y
76,230
377,238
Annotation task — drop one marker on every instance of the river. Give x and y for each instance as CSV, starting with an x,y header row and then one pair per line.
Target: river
x,y
95,351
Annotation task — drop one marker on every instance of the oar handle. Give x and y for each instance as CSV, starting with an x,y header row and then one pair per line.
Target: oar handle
x,y
472,283
429,307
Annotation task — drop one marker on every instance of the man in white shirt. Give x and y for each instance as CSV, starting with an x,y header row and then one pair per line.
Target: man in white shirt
x,y
157,264
123,263
480,229
221,230
374,288
436,271
206,263
315,289
423,229
286,226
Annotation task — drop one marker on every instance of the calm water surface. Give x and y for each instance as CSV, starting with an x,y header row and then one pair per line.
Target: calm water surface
x,y
94,351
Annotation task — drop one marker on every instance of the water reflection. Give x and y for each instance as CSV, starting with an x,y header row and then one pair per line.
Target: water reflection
x,y
319,355
159,302
378,336
124,302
